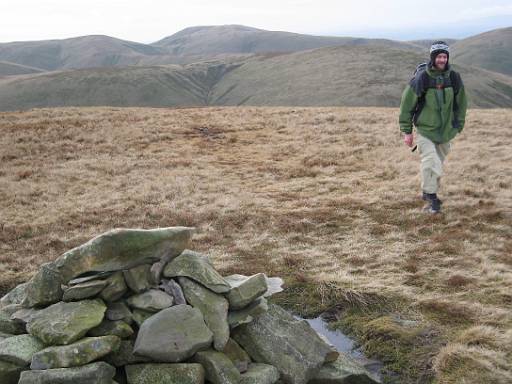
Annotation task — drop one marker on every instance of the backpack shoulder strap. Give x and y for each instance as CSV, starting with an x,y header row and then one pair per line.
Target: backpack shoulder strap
x,y
456,81
420,82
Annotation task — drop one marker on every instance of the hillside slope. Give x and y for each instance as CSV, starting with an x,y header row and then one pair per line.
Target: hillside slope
x,y
490,50
10,69
352,76
155,86
349,76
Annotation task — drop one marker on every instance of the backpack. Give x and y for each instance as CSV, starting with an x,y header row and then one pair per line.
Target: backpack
x,y
421,82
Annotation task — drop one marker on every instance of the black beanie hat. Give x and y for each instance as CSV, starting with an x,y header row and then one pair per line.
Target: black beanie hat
x,y
438,47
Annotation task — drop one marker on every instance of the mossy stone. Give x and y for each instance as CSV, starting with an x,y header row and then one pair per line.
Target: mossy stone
x,y
165,374
77,354
20,349
63,323
115,328
83,290
173,335
121,249
95,373
218,367
244,290
262,374
197,267
213,306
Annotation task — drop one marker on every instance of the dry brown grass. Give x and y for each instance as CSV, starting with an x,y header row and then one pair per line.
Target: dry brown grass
x,y
313,194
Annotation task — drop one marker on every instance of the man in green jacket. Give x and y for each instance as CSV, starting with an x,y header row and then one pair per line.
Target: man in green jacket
x,y
435,102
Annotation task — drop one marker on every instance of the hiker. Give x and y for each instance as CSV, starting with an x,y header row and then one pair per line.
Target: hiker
x,y
435,102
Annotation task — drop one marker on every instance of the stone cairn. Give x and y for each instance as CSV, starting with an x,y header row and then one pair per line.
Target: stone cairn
x,y
136,306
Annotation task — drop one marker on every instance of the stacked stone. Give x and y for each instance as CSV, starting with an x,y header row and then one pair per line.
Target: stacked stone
x,y
136,306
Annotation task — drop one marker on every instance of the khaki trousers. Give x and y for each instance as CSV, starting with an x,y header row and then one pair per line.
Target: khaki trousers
x,y
432,159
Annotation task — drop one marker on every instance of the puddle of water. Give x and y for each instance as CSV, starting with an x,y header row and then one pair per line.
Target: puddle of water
x,y
345,344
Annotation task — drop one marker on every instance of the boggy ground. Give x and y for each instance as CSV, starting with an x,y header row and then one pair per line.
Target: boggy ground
x,y
327,198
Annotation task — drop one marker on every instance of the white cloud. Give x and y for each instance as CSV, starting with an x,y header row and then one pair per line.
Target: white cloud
x,y
485,11
150,20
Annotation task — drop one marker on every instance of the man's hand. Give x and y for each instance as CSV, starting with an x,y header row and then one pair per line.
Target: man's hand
x,y
408,138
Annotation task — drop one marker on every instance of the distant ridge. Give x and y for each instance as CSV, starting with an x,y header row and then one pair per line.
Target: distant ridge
x,y
331,76
203,40
78,52
239,65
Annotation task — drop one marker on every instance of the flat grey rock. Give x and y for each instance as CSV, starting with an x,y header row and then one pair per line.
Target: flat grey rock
x,y
95,373
289,344
165,374
173,335
121,249
20,349
64,323
153,300
197,267
83,290
77,354
244,290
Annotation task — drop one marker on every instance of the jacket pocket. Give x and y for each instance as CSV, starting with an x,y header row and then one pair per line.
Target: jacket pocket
x,y
428,119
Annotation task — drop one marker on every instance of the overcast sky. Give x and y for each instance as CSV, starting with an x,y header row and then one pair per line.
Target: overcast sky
x,y
146,21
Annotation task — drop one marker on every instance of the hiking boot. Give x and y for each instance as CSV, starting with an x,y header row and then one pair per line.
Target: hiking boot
x,y
430,196
433,203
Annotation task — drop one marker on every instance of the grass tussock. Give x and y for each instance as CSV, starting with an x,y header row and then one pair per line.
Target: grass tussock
x,y
327,198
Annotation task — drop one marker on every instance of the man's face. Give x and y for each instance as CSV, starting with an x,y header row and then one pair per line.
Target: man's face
x,y
441,61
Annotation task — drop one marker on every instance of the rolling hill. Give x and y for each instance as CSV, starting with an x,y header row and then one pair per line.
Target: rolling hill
x,y
187,46
490,50
239,39
239,65
349,76
78,52
345,75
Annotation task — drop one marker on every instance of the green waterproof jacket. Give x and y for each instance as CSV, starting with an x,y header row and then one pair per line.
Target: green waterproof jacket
x,y
443,114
